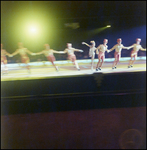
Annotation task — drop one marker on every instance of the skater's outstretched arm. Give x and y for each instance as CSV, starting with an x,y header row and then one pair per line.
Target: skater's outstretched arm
x,y
42,52
130,47
97,49
111,49
15,53
63,52
58,52
86,44
77,50
107,50
29,52
8,54
143,49
125,47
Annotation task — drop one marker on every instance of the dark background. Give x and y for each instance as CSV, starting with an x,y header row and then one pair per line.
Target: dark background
x,y
97,126
127,18
76,112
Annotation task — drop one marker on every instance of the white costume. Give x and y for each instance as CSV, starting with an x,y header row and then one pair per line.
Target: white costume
x,y
92,52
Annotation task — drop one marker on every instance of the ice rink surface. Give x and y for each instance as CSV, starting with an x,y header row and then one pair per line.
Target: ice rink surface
x,y
40,72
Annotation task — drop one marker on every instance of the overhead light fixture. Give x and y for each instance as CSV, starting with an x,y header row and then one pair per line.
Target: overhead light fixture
x,y
108,26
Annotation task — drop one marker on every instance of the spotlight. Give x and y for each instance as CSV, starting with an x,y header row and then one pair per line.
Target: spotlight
x,y
108,26
33,30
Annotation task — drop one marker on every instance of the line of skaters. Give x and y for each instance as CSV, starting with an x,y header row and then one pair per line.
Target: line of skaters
x,y
100,51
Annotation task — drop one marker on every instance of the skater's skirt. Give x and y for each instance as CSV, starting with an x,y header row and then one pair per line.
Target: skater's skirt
x,y
101,55
51,58
3,59
72,57
117,54
25,59
133,53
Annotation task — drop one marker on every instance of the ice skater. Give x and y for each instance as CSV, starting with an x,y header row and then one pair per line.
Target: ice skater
x,y
23,53
71,56
4,59
91,52
49,55
101,54
136,47
117,55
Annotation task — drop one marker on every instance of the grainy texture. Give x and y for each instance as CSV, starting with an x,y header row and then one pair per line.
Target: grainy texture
x,y
97,129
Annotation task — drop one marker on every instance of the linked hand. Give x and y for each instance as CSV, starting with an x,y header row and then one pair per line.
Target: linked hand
x,y
80,50
10,55
33,54
83,42
61,52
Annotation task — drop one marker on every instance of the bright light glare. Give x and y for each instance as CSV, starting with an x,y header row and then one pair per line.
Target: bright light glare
x,y
108,26
33,30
